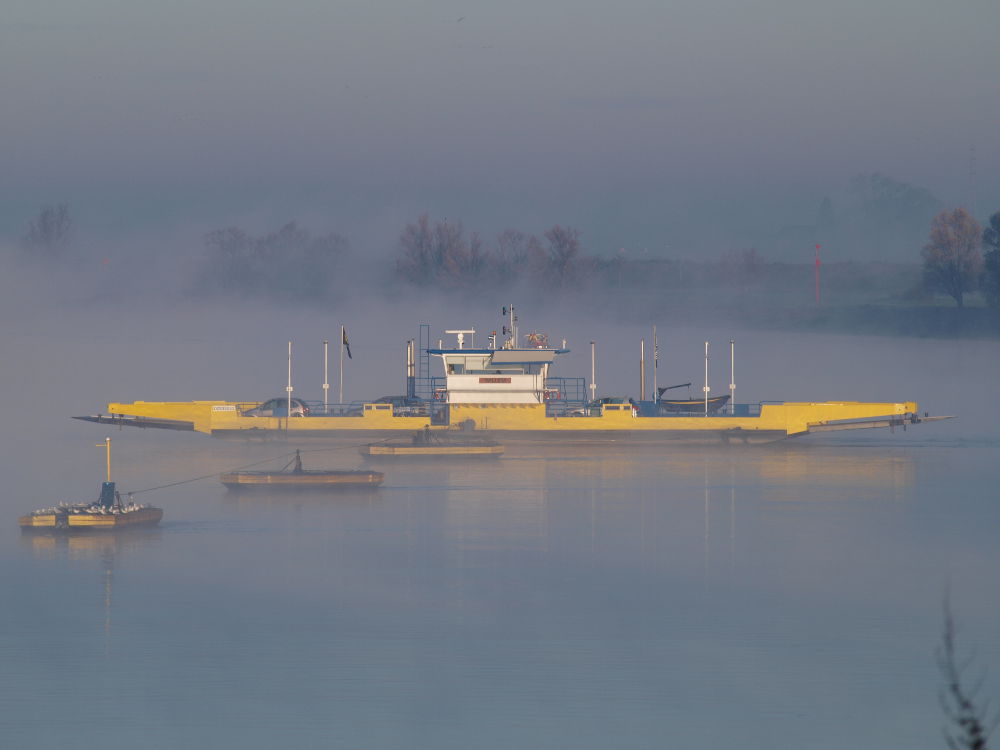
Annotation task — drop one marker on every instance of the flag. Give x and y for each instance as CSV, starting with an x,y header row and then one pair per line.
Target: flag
x,y
346,343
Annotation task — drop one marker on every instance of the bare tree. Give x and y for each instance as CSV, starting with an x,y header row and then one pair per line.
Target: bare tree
x,y
969,719
49,233
952,261
451,253
511,255
564,247
416,248
440,254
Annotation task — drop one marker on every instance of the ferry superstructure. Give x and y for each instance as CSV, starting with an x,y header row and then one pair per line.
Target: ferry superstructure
x,y
507,390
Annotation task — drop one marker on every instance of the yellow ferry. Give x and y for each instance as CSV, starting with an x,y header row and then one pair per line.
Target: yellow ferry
x,y
507,391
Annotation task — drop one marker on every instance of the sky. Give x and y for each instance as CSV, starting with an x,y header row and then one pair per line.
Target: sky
x,y
679,128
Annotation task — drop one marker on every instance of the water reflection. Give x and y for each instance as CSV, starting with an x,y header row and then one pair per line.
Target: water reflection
x,y
88,544
641,507
106,547
300,498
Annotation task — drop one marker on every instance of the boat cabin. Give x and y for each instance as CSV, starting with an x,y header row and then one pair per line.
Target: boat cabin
x,y
495,376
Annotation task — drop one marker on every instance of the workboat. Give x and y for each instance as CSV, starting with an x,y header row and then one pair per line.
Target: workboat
x,y
294,477
438,444
507,389
108,512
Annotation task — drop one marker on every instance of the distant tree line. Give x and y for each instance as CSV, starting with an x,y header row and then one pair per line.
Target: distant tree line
x,y
959,258
286,264
441,254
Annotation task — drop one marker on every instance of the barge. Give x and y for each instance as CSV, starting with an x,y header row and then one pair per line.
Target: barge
x,y
107,513
294,477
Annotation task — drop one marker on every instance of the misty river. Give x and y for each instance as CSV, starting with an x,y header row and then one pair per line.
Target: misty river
x,y
787,595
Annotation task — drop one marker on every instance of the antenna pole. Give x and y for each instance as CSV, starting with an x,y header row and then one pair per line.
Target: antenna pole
x,y
705,389
107,447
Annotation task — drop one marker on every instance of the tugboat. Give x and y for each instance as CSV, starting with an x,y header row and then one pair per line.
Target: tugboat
x,y
108,512
294,477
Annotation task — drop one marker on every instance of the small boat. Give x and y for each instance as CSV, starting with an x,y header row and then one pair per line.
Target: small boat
x,y
294,477
109,511
425,443
697,405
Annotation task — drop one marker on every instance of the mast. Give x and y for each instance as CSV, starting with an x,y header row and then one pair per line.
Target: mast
x,y
732,376
326,377
656,364
288,387
107,447
340,398
411,364
705,389
642,369
593,385
107,498
511,329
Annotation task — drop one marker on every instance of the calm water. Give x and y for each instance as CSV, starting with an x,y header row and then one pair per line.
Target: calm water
x,y
781,596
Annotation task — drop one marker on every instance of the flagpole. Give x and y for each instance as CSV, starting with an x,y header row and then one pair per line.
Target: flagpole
x,y
341,397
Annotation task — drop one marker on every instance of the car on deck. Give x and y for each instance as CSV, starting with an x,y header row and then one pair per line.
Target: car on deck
x,y
278,407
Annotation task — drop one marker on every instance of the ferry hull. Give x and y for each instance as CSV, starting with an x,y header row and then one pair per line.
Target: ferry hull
x,y
616,423
132,519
